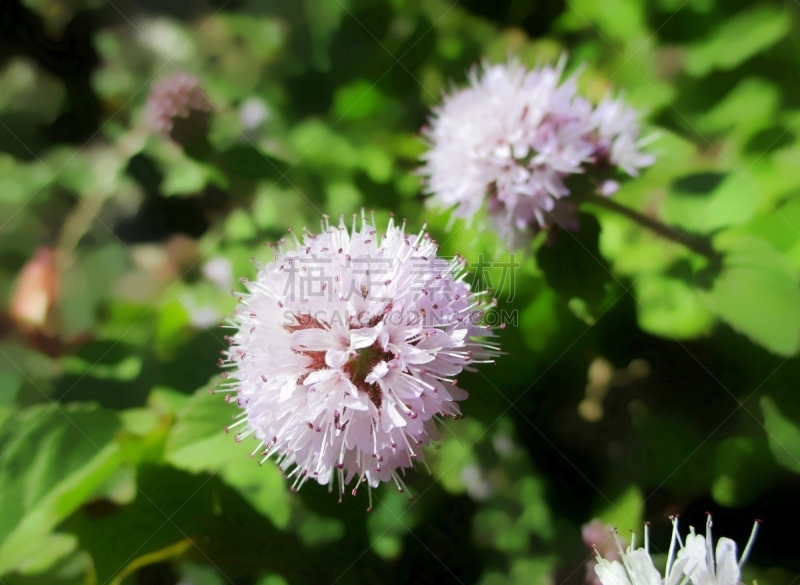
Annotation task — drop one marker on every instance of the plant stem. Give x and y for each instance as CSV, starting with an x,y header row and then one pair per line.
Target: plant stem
x,y
699,244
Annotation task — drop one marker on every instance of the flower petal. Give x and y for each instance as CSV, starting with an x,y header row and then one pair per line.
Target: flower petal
x,y
364,337
728,572
694,549
379,371
315,340
611,573
336,359
644,573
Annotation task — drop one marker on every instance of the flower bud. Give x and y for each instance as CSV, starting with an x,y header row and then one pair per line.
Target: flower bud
x,y
178,108
35,296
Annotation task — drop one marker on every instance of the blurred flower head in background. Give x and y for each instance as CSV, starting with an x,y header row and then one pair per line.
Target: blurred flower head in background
x,y
508,141
346,350
178,107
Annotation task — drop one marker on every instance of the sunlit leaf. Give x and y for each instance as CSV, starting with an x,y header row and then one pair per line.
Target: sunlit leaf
x,y
625,511
783,436
752,102
758,294
743,470
390,522
358,99
732,201
670,308
199,443
176,512
539,321
55,457
738,39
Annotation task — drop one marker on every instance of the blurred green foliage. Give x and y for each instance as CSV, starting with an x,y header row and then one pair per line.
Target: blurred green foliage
x,y
640,379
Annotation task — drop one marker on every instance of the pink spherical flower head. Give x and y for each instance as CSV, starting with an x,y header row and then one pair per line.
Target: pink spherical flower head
x,y
346,351
508,141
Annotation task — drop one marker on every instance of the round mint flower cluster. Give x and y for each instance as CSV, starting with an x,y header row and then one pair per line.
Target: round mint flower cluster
x,y
508,141
346,351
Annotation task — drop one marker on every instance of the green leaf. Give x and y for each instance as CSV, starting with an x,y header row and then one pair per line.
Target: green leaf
x,y
319,145
525,571
264,487
324,19
757,293
198,443
197,574
743,471
10,383
28,87
172,326
20,181
625,511
54,459
752,103
746,34
774,176
176,512
390,522
537,516
125,370
344,197
783,436
733,201
315,530
779,228
184,175
359,99
671,450
272,580
239,226
619,19
251,163
670,308
573,265
276,207
500,530
263,35
539,321
87,284
377,163
454,453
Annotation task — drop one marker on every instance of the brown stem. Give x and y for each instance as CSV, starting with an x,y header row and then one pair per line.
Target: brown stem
x,y
694,242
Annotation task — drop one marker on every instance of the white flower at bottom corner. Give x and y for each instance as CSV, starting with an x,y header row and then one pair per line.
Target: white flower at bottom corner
x,y
704,566
636,568
695,562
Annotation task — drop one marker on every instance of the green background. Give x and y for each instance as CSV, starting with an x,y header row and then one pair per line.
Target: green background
x,y
640,380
